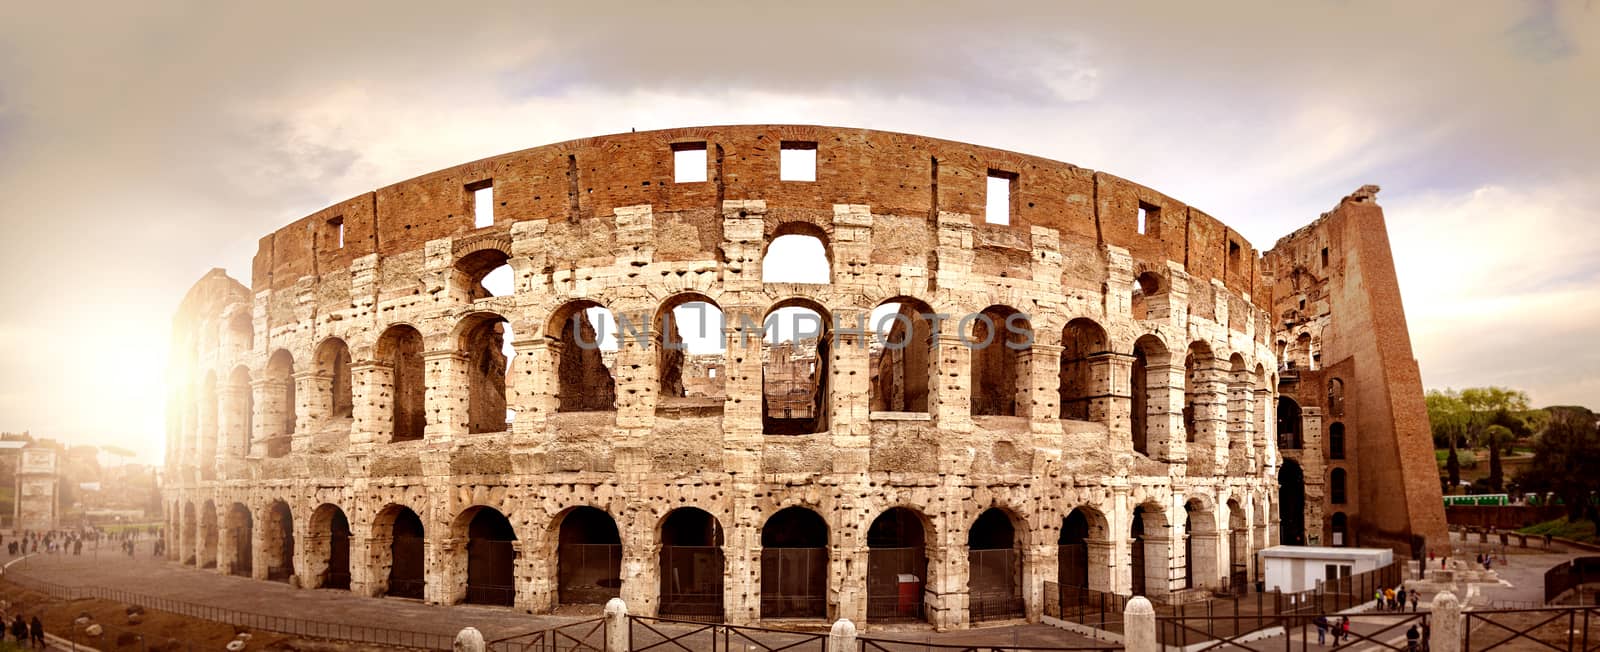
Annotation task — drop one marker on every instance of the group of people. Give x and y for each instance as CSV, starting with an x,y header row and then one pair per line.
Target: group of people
x,y
71,541
1416,638
1394,599
26,633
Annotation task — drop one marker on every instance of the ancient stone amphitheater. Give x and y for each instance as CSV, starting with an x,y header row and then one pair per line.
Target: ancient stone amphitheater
x,y
1095,403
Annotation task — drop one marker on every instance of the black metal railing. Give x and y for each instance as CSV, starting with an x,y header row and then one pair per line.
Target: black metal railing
x,y
582,636
662,634
1561,628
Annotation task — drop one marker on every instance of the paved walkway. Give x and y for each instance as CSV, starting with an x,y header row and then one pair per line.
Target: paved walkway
x,y
143,574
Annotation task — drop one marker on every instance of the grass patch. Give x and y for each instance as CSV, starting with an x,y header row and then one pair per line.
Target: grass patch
x,y
1579,530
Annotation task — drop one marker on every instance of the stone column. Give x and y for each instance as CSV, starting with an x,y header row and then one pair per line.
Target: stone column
x,y
1042,402
741,557
234,433
1102,564
849,391
315,394
1208,553
1208,454
1164,391
259,543
950,397
362,567
372,387
741,413
523,391
1158,561
270,417
444,571
1040,564
1241,425
637,385
446,401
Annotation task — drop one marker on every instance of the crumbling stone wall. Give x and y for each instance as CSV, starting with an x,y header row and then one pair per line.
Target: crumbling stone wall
x,y
600,223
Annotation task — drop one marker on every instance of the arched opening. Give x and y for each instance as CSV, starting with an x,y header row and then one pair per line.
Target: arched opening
x,y
208,426
1146,302
397,550
1339,528
589,554
190,526
897,566
1238,548
1200,546
1291,504
240,416
1083,342
400,351
691,565
329,548
1001,342
1336,487
690,355
1148,351
237,537
279,411
794,371
1335,398
1147,557
581,334
1300,354
902,363
994,565
1336,441
486,342
280,542
491,557
333,366
484,273
1072,551
798,255
794,565
240,334
209,535
1289,436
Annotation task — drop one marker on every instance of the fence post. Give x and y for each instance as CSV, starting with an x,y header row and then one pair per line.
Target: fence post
x,y
842,638
616,625
1446,620
469,640
1139,626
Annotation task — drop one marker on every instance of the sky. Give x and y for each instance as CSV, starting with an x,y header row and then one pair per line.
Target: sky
x,y
142,144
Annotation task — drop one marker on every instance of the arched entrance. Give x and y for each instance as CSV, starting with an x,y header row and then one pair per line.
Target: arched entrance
x,y
1200,546
994,582
491,557
404,552
1238,548
691,565
1148,551
794,565
1072,551
1291,504
589,554
897,566
328,549
280,542
239,526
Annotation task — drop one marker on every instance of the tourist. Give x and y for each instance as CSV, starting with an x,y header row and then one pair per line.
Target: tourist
x,y
1388,599
1344,628
1377,598
36,632
19,630
1322,630
1400,599
1414,599
1412,638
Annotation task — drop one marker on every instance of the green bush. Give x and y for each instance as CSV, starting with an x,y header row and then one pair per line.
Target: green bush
x,y
1576,530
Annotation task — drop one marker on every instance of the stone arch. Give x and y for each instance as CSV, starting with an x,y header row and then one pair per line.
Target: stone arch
x,y
1148,552
399,355
1289,435
1148,299
1335,398
897,565
794,376
1291,504
583,381
279,408
691,372
1238,547
1150,359
484,339
1081,550
584,554
691,563
278,532
471,268
1336,441
1000,338
995,565
487,552
809,253
238,534
397,553
332,364
794,564
1084,348
902,369
327,549
1200,544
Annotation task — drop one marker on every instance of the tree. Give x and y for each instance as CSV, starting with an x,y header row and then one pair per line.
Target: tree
x,y
1448,416
1566,460
1469,414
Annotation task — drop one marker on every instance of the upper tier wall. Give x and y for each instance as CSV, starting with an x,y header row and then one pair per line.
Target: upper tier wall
x,y
893,173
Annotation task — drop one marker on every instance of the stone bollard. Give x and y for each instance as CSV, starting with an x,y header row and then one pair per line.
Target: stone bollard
x,y
1139,626
842,638
469,639
1445,623
616,625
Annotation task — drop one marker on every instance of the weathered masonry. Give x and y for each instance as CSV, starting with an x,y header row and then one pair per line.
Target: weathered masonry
x,y
376,414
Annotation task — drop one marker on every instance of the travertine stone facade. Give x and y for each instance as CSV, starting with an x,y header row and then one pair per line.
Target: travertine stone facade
x,y
352,418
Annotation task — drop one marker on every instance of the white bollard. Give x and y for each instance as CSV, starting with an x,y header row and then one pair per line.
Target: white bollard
x,y
1139,626
616,625
469,640
842,638
1445,623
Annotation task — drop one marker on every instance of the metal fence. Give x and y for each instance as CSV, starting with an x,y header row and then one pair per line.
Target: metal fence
x,y
582,636
1570,575
385,636
646,633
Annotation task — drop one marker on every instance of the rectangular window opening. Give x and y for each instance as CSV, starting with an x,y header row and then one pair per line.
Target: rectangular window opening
x,y
482,203
997,204
688,162
1233,252
797,161
1149,214
338,226
1324,256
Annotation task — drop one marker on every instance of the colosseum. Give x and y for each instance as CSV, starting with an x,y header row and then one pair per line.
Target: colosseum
x,y
968,373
